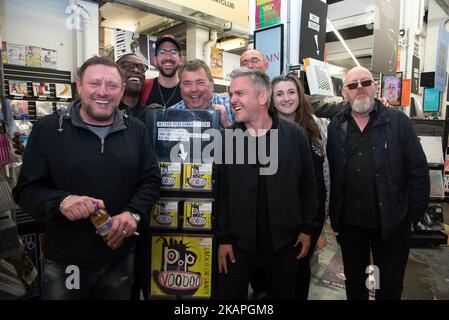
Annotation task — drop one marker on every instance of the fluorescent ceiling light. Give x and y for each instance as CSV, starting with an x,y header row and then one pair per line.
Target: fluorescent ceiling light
x,y
343,42
232,44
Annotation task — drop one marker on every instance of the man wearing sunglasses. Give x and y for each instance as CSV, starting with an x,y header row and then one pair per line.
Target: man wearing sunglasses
x,y
133,70
379,184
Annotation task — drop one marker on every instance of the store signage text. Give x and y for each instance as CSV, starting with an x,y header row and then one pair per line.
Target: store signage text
x,y
225,3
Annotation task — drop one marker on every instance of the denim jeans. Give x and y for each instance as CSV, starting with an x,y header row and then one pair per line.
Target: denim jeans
x,y
111,281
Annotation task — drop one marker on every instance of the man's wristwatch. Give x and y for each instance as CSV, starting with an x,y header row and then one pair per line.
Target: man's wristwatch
x,y
136,217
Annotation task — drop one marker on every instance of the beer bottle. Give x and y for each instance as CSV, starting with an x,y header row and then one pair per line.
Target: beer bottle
x,y
101,220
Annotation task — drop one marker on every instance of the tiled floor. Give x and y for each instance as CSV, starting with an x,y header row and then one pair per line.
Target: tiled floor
x,y
426,278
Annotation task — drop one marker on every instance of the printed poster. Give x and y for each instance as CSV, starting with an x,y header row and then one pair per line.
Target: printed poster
x,y
18,88
406,90
130,42
18,107
181,265
44,108
268,13
216,62
16,54
33,56
270,42
63,90
177,132
48,58
41,89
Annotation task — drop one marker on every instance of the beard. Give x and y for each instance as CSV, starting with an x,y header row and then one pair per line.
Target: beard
x,y
101,118
133,89
170,73
362,105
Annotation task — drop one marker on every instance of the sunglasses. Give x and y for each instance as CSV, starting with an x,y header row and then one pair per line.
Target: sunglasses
x,y
128,65
355,85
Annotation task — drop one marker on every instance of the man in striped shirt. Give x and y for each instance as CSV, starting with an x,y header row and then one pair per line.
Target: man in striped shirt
x,y
197,91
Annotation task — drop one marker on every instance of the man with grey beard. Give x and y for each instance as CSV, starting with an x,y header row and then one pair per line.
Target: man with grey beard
x,y
379,184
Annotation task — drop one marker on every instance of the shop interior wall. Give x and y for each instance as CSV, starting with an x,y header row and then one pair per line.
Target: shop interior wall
x,y
39,23
44,24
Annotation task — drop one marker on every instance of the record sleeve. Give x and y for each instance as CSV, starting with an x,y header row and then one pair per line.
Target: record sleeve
x,y
165,214
197,177
181,265
171,175
197,214
16,54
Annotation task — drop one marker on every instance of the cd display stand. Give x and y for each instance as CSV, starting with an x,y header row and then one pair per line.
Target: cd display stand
x,y
180,227
433,137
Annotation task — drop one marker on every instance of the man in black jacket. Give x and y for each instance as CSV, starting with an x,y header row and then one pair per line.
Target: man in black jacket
x,y
379,183
267,207
86,158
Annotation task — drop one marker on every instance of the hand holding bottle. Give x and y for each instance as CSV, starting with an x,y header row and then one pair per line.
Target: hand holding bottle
x,y
75,207
123,226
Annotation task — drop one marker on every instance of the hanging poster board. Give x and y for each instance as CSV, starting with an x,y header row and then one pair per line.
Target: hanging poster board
x,y
270,41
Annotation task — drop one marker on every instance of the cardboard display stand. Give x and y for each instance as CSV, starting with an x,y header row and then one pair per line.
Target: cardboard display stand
x,y
181,241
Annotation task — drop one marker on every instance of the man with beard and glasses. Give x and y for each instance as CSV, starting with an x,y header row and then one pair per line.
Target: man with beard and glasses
x,y
197,91
133,70
88,157
164,91
379,184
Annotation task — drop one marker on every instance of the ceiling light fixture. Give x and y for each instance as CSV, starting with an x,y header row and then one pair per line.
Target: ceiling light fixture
x,y
343,42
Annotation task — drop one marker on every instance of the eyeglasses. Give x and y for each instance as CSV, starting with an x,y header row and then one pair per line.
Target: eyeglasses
x,y
252,61
173,53
128,65
355,85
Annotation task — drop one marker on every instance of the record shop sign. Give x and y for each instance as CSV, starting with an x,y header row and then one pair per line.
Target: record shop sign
x,y
235,11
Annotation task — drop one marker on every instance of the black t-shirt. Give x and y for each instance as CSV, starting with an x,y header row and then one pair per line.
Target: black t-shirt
x,y
264,242
170,96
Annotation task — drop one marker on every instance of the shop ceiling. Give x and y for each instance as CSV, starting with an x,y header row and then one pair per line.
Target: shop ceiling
x,y
353,18
146,18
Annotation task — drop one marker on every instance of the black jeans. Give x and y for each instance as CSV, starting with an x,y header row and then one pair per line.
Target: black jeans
x,y
279,269
390,256
304,272
141,264
111,281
